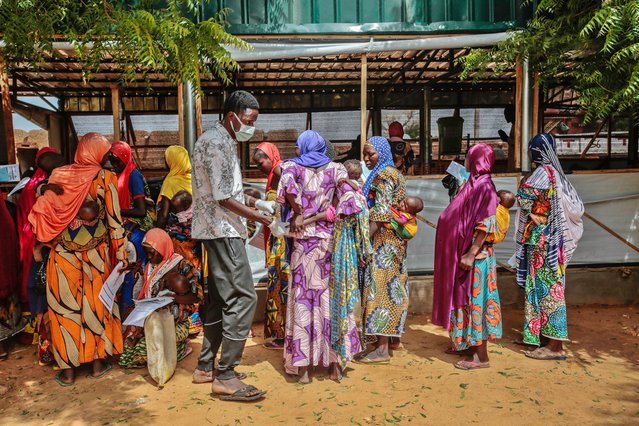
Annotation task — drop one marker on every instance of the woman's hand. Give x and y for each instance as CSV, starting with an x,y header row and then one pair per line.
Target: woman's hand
x,y
134,267
297,223
55,188
37,253
466,261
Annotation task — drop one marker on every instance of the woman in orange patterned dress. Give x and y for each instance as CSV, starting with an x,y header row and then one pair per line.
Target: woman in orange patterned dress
x,y
81,222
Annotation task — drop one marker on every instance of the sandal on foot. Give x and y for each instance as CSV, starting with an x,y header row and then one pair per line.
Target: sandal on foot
x,y
243,395
273,345
366,360
108,368
58,379
546,354
471,365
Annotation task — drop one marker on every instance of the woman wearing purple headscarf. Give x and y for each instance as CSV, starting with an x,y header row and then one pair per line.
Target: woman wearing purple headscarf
x,y
385,296
308,186
465,299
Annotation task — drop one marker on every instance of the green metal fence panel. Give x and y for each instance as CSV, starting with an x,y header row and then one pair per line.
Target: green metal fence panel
x,y
367,16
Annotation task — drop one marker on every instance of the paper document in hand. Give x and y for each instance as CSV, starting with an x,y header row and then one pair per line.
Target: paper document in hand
x,y
258,239
111,286
144,308
458,171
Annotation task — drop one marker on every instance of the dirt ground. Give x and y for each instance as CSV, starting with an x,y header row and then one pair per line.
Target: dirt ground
x,y
598,384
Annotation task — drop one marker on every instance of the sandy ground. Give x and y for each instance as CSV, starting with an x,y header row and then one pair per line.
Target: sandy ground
x,y
598,384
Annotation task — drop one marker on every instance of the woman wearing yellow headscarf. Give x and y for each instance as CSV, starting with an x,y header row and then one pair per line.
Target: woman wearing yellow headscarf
x,y
178,179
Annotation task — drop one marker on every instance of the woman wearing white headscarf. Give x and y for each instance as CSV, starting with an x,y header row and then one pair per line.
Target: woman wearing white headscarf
x,y
548,230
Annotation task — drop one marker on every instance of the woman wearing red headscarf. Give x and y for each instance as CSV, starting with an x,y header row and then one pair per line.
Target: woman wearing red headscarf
x,y
267,157
83,226
133,192
34,283
166,273
465,299
11,320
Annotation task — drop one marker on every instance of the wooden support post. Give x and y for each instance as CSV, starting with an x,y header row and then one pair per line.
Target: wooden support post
x,y
6,127
536,107
363,98
519,80
198,116
180,105
115,108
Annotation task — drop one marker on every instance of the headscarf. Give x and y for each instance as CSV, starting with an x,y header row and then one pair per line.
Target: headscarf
x,y
179,177
385,159
9,279
273,154
476,201
161,242
312,150
51,212
25,204
566,208
122,150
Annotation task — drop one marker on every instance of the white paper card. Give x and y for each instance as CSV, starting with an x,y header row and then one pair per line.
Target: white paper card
x,y
111,286
458,171
143,309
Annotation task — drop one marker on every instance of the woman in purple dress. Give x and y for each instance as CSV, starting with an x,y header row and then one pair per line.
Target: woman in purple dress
x,y
309,186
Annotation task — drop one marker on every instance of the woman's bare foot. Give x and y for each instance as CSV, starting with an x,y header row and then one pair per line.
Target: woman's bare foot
x,y
335,372
304,376
66,376
99,367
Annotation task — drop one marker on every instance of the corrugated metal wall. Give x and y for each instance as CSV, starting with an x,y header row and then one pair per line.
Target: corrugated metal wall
x,y
374,16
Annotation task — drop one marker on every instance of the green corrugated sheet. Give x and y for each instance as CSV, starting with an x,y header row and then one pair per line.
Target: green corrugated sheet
x,y
368,16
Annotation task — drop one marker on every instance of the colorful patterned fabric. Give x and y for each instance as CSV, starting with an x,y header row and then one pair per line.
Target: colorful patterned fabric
x,y
82,330
278,275
135,356
385,296
545,304
307,337
481,318
351,242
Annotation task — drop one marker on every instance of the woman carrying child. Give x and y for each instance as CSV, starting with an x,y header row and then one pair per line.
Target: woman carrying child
x,y
133,192
267,157
466,300
308,186
166,273
82,224
547,234
385,298
351,252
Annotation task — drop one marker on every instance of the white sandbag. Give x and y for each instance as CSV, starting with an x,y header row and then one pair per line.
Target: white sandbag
x,y
161,348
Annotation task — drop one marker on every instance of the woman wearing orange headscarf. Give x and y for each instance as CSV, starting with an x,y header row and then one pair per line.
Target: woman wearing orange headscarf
x,y
267,158
82,225
166,273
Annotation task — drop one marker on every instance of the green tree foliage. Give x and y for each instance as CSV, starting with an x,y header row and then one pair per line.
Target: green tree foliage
x,y
140,37
589,45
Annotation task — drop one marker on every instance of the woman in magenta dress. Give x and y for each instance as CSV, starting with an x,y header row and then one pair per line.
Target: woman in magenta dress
x,y
308,185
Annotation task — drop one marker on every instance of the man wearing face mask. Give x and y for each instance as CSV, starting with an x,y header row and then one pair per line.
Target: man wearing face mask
x,y
219,220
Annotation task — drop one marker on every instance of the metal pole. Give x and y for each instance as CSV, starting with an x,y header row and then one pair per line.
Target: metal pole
x,y
525,115
189,117
424,139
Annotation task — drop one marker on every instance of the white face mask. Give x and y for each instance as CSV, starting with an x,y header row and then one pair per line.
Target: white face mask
x,y
245,133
